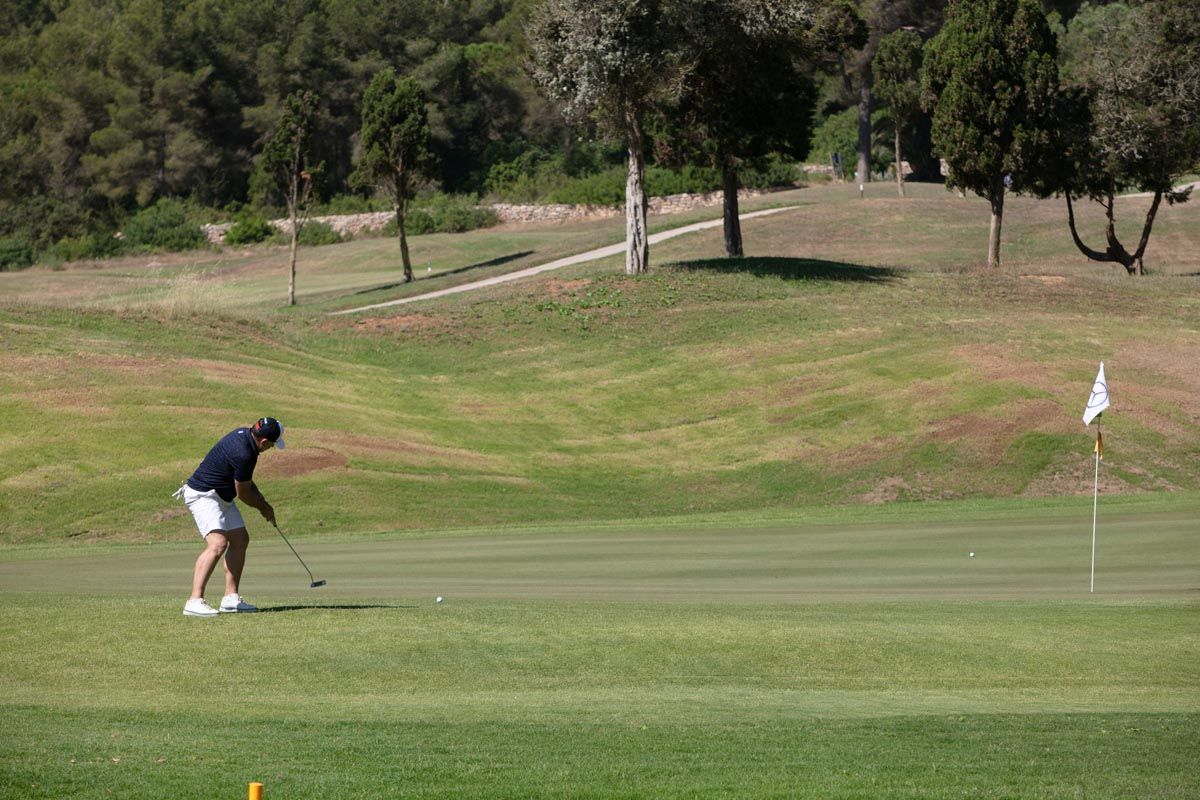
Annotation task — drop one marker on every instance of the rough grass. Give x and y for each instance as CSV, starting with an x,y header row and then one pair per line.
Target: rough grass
x,y
770,382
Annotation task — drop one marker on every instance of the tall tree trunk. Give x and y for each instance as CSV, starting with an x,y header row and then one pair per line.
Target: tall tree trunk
x,y
997,203
400,232
733,224
864,129
292,264
1141,249
899,164
637,245
293,214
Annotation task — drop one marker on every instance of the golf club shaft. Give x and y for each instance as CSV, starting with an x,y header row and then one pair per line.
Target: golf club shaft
x,y
297,555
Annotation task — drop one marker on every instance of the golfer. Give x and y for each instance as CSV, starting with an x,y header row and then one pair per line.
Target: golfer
x,y
227,473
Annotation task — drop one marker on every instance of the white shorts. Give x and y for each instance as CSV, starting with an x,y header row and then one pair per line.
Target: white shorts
x,y
210,511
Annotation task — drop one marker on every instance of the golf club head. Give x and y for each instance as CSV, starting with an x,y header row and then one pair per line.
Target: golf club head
x,y
316,584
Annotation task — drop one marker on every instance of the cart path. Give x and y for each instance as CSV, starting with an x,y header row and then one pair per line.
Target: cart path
x,y
591,255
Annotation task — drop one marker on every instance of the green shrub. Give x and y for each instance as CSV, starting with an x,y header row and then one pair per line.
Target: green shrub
x,y
416,223
15,253
773,172
444,214
689,180
91,246
535,175
41,221
457,214
839,134
351,204
249,231
605,188
164,226
315,234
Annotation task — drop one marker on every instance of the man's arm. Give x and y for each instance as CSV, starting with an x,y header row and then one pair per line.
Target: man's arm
x,y
249,494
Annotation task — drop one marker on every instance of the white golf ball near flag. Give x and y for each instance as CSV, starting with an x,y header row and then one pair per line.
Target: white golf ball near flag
x,y
1099,398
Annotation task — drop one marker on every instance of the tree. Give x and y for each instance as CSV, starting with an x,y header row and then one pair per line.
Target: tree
x,y
395,145
473,108
879,17
607,61
742,92
991,80
285,164
1136,72
897,69
152,145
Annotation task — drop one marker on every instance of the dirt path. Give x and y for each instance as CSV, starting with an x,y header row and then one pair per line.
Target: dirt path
x,y
591,255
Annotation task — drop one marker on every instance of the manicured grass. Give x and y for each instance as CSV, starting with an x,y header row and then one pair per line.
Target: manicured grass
x,y
1023,755
831,660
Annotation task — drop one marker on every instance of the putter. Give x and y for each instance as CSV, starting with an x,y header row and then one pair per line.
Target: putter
x,y
315,583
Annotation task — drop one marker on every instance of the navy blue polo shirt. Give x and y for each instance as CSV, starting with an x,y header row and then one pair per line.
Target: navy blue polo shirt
x,y
231,459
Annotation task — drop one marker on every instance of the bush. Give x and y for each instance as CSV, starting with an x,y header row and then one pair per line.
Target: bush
x,y
839,134
772,173
351,204
315,234
164,226
444,214
83,248
40,221
249,231
605,188
690,180
15,253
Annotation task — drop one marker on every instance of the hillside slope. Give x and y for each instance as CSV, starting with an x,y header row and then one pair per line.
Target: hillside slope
x,y
820,370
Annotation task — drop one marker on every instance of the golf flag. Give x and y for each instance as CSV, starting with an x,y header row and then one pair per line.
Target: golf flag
x,y
1097,402
1099,399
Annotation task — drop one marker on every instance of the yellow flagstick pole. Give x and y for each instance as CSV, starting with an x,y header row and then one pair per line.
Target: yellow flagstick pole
x,y
1096,500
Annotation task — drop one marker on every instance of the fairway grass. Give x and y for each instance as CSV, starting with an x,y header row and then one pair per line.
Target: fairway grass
x,y
830,660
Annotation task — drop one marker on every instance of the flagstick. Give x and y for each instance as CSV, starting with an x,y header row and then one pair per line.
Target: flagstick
x,y
1095,502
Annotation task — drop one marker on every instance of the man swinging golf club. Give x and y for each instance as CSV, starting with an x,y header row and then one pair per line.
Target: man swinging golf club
x,y
224,475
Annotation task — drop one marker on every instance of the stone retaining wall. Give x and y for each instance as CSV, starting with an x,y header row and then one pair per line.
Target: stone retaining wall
x,y
350,225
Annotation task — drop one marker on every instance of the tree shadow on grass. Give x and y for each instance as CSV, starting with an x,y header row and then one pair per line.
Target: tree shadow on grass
x,y
315,607
491,262
795,269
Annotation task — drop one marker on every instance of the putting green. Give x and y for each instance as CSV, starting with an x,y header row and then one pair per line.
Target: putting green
x,y
1142,555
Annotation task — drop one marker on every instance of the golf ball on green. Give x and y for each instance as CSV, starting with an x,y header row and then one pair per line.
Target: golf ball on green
x,y
440,598
972,554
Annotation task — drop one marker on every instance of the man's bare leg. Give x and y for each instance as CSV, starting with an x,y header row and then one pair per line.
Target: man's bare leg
x,y
215,545
235,558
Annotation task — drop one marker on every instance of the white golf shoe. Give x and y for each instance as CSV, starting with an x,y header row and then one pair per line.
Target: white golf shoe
x,y
234,604
197,607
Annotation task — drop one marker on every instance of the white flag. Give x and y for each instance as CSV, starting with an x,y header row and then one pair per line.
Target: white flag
x,y
1099,399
